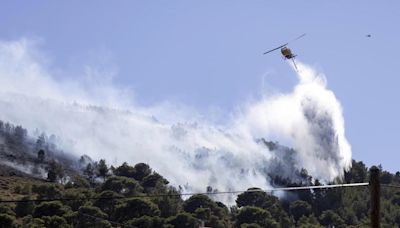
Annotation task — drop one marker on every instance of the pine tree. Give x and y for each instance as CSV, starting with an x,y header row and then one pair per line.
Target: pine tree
x,y
54,171
89,172
41,155
102,169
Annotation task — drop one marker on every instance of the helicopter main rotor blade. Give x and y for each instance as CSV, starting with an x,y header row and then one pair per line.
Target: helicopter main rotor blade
x,y
297,38
275,49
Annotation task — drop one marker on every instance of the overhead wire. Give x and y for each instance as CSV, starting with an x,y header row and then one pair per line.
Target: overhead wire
x,y
193,193
390,185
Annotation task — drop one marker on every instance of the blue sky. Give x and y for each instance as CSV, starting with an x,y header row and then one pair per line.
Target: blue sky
x,y
208,54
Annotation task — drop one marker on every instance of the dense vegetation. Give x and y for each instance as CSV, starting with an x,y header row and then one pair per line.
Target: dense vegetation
x,y
100,195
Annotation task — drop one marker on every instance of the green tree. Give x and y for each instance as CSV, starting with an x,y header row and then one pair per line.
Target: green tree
x,y
330,218
7,209
256,197
357,173
29,221
221,211
146,222
46,191
216,222
198,201
396,199
77,181
251,225
386,177
55,221
251,214
41,155
300,208
308,222
41,141
183,220
7,220
154,183
92,217
125,170
54,171
49,209
327,199
142,170
89,172
108,201
102,169
203,214
72,218
122,185
135,208
77,193
24,208
20,134
169,205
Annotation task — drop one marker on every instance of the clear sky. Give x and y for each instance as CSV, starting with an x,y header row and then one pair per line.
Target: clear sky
x,y
208,54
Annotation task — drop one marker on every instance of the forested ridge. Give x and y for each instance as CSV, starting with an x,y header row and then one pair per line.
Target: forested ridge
x,y
81,192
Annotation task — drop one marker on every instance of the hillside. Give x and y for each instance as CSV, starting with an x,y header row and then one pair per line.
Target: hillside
x,y
91,193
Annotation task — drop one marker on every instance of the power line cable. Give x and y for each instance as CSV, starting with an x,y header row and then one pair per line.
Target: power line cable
x,y
190,194
319,187
390,185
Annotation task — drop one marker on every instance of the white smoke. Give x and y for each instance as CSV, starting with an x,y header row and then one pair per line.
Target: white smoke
x,y
310,119
192,153
36,171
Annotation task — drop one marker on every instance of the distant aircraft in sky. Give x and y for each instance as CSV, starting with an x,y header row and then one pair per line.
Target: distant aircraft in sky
x,y
368,35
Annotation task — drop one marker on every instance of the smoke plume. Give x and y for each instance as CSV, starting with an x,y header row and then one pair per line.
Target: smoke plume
x,y
94,117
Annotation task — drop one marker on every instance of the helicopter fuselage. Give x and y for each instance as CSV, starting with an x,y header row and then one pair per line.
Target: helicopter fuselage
x,y
287,53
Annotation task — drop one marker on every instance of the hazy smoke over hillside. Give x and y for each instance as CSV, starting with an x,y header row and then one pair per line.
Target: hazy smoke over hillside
x,y
88,119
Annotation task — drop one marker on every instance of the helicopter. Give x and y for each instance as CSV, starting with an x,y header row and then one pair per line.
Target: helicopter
x,y
286,52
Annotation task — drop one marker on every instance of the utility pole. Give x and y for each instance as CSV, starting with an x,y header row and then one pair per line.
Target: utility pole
x,y
375,190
